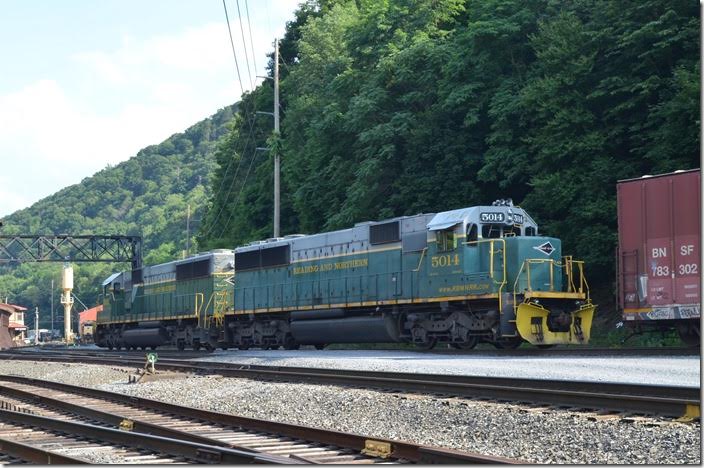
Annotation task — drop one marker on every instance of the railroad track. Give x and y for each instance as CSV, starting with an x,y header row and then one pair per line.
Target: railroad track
x,y
648,400
257,438
27,435
521,352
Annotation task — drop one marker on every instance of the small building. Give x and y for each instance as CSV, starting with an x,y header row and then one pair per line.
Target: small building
x,y
17,327
5,336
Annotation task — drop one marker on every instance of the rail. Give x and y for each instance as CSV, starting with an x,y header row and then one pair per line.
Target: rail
x,y
671,401
221,428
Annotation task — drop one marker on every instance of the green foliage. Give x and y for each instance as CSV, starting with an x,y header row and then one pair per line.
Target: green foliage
x,y
404,106
147,195
622,337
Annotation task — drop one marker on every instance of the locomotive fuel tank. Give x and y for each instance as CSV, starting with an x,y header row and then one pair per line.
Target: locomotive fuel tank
x,y
311,328
145,337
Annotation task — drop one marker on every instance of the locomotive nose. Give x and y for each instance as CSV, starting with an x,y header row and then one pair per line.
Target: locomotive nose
x,y
536,325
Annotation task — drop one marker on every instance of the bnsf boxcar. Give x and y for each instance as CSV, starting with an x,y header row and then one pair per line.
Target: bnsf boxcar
x,y
659,248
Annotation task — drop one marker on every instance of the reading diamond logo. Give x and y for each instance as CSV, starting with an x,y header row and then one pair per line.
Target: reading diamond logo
x,y
545,248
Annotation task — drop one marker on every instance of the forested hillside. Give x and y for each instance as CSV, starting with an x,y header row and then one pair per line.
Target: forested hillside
x,y
146,195
399,107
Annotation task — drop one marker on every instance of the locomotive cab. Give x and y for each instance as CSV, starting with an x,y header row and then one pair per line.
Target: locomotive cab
x,y
543,296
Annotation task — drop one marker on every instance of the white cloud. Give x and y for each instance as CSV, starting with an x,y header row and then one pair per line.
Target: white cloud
x,y
9,200
111,103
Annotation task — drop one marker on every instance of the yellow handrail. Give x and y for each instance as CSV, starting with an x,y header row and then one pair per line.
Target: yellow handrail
x,y
566,265
421,259
197,305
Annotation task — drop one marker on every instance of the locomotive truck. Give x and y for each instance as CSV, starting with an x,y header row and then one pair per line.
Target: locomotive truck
x,y
476,274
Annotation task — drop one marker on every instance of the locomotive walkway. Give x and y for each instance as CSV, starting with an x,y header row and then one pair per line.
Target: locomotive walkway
x,y
649,400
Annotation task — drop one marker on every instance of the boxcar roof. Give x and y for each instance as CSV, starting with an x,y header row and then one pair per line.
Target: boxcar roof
x,y
648,176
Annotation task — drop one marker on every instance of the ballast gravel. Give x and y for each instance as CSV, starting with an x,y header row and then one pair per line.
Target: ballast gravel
x,y
515,431
661,370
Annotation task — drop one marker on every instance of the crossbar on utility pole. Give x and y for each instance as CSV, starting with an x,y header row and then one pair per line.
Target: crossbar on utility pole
x,y
277,162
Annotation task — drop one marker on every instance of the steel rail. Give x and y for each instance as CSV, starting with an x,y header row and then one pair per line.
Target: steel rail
x,y
398,449
174,447
521,352
671,401
113,420
27,453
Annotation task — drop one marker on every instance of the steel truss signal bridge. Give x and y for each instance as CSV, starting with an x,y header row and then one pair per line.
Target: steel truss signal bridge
x,y
61,248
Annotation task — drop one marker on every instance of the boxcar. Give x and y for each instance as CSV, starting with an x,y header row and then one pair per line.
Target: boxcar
x,y
659,248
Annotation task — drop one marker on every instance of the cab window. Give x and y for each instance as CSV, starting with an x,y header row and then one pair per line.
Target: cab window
x,y
472,234
490,231
511,231
446,240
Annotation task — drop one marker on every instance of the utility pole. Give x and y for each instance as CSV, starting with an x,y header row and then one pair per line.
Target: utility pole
x,y
36,325
188,228
52,310
277,162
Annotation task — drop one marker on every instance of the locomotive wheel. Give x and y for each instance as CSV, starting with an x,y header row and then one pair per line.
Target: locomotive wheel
x,y
546,346
511,343
153,348
290,343
690,336
180,345
209,348
471,342
196,345
110,347
320,346
427,345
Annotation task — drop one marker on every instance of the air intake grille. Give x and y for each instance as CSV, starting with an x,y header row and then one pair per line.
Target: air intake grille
x,y
384,233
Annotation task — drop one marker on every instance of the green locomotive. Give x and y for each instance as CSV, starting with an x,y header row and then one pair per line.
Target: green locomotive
x,y
460,277
177,303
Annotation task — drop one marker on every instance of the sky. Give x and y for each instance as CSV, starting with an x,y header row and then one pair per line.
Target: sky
x,y
85,84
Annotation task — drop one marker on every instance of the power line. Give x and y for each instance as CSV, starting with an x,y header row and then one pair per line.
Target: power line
x,y
232,43
229,164
268,18
244,44
244,183
244,142
244,145
251,41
